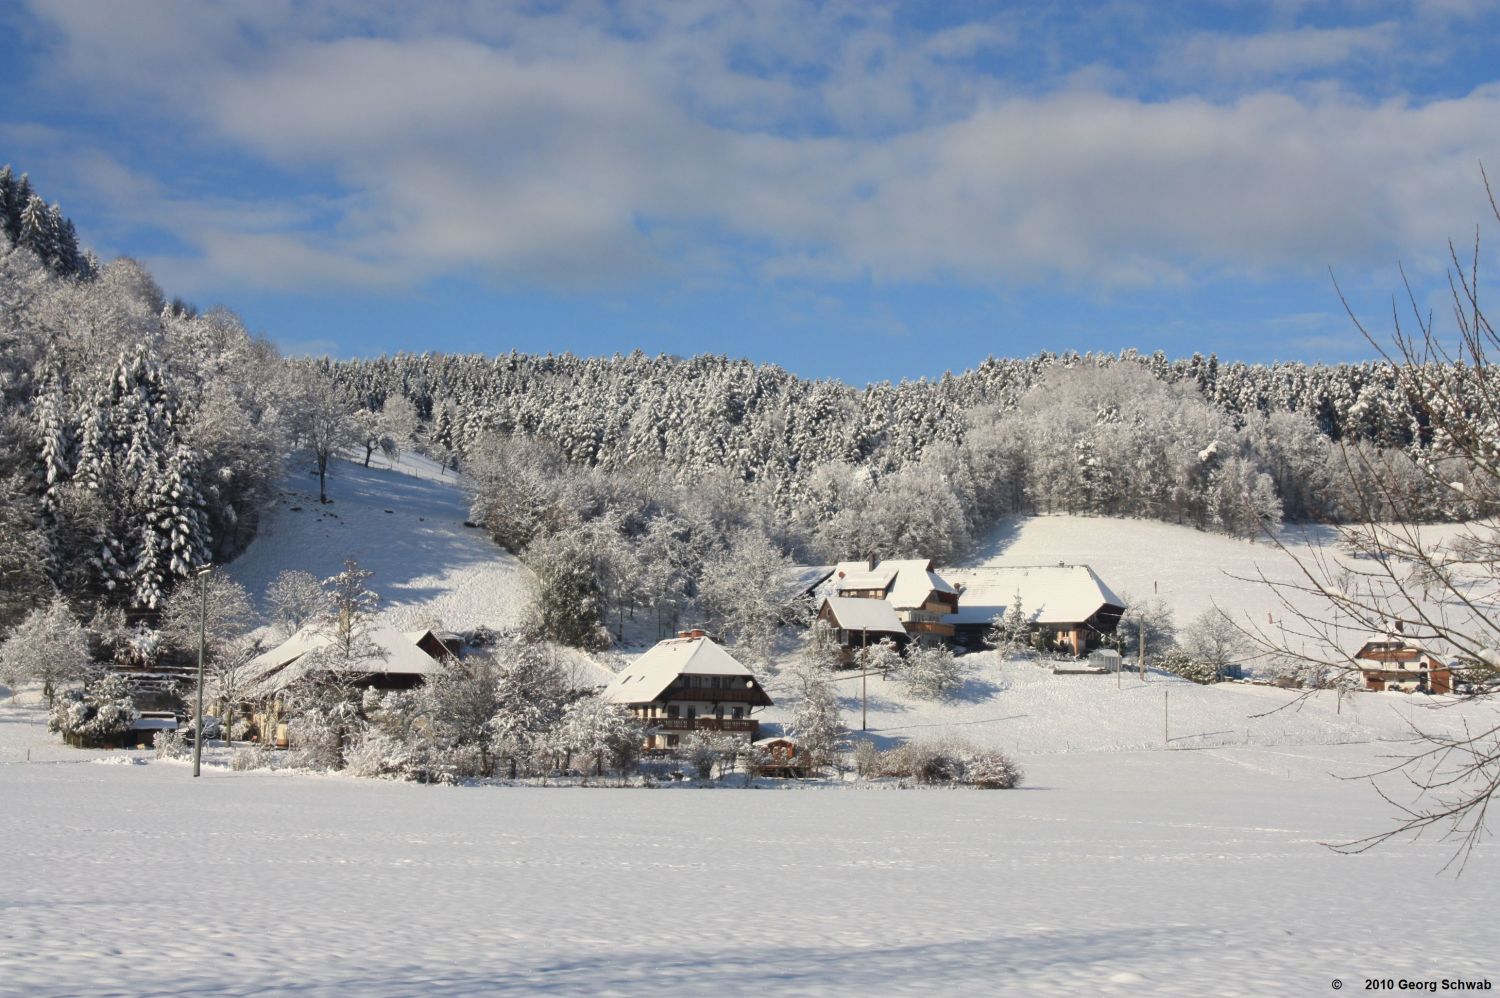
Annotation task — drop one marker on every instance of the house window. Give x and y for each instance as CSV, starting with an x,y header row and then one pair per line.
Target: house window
x,y
692,713
672,710
719,711
739,712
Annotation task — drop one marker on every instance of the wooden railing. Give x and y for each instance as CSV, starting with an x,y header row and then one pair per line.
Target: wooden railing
x,y
707,694
701,724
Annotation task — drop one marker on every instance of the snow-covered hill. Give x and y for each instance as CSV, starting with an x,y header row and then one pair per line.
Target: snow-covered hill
x,y
406,524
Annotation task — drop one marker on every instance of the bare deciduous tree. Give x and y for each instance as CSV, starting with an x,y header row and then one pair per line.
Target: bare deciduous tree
x,y
1391,573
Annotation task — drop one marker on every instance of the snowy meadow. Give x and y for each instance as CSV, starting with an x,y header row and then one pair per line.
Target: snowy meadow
x,y
1127,872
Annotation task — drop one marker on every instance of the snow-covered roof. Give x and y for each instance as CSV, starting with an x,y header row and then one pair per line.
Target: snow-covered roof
x,y
907,582
279,667
854,614
915,579
876,579
649,676
803,579
1050,594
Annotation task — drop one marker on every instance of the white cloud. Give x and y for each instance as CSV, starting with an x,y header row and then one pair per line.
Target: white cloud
x,y
1272,54
568,149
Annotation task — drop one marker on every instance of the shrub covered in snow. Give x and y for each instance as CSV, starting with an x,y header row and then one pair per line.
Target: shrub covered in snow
x,y
932,673
90,715
1180,662
950,762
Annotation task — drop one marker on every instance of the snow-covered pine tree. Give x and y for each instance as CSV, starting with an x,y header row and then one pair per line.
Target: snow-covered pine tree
x,y
1010,631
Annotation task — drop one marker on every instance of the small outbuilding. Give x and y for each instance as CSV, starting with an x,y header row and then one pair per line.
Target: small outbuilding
x,y
859,623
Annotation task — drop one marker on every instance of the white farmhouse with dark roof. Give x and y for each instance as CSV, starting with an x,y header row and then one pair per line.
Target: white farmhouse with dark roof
x,y
1069,604
689,683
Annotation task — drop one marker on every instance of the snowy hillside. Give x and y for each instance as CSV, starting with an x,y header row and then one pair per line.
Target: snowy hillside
x,y
1190,570
405,523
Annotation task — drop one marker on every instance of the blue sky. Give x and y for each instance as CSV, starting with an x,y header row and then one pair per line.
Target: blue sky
x,y
861,191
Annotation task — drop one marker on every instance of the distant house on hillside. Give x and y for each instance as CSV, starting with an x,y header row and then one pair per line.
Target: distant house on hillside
x,y
1068,604
1389,662
858,623
689,683
924,602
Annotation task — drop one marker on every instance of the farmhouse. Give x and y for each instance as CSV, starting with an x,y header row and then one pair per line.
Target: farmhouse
x,y
858,623
689,683
1389,662
1068,605
406,660
924,602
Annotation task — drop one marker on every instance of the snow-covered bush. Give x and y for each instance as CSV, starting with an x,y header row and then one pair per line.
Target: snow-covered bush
x,y
932,673
1181,662
88,716
251,757
601,733
530,696
171,744
866,758
883,657
951,762
378,754
703,751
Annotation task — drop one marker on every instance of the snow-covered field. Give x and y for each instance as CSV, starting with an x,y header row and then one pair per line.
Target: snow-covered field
x,y
1136,860
1021,707
1191,872
405,523
1190,570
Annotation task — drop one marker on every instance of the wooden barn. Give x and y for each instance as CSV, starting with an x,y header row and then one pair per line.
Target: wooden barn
x,y
1066,605
858,623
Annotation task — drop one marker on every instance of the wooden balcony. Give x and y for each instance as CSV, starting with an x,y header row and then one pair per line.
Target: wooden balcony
x,y
707,694
743,725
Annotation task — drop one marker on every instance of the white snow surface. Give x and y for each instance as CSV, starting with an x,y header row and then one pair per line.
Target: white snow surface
x,y
404,523
1193,571
1125,873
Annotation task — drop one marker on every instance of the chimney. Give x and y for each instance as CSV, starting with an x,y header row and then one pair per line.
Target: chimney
x,y
684,634
697,632
871,562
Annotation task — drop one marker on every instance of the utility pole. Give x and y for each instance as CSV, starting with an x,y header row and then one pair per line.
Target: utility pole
x,y
202,642
1141,656
864,679
1165,714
